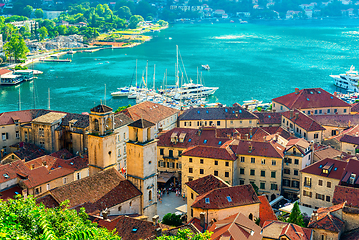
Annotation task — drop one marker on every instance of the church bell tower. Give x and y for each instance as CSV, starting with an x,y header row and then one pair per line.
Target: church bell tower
x,y
142,163
101,139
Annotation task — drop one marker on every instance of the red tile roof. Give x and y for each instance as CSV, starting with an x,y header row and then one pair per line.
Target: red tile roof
x,y
337,168
310,98
350,139
348,194
10,192
239,195
327,222
351,235
206,184
265,211
351,169
63,153
152,112
98,192
265,149
235,227
344,120
327,152
224,153
197,224
355,107
129,228
303,120
277,229
269,117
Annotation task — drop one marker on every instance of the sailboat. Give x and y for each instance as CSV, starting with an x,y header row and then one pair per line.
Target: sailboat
x,y
126,91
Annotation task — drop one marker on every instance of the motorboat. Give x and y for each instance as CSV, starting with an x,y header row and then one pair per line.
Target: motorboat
x,y
193,91
348,81
206,67
123,92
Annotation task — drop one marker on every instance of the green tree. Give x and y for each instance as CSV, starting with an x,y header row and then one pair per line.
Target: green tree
x,y
16,47
72,30
122,108
255,187
28,11
43,33
162,23
39,13
296,216
62,30
172,219
124,12
24,219
134,21
186,234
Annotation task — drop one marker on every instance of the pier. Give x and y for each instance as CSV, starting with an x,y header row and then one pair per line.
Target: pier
x,y
55,60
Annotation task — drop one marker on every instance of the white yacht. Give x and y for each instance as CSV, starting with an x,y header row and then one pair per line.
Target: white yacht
x,y
123,92
348,80
193,91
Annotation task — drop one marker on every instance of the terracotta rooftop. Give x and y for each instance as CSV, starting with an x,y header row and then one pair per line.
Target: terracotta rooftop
x,y
277,229
254,148
326,220
266,212
25,116
269,117
49,117
129,228
101,109
220,113
310,98
98,192
350,175
10,192
152,112
351,235
327,152
235,227
141,123
27,151
77,120
206,184
63,153
121,119
303,120
227,197
224,153
344,120
350,139
348,194
335,167
355,107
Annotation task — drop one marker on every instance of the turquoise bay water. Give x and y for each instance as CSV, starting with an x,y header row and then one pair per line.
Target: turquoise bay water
x,y
258,60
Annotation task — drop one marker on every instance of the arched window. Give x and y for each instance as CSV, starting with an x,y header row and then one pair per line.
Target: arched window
x,y
96,125
150,195
250,216
108,124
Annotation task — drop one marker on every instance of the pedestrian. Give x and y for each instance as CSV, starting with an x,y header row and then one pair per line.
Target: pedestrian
x,y
183,196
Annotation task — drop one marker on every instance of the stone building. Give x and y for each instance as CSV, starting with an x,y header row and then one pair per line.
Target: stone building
x,y
142,163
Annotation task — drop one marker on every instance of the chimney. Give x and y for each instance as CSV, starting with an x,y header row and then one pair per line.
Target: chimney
x,y
2,153
250,133
105,213
315,215
296,115
335,94
291,114
296,90
202,219
158,232
155,219
250,147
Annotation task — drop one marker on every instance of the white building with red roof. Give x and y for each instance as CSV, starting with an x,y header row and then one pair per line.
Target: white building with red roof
x,y
311,101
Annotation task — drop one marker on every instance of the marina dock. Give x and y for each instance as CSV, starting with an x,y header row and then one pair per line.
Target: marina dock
x,y
55,60
91,50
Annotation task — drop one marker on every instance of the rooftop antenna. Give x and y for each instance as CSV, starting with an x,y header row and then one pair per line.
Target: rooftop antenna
x,y
49,98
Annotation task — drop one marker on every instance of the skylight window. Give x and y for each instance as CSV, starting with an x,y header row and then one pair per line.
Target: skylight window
x,y
335,169
206,200
198,112
240,111
134,230
205,141
319,92
189,140
220,142
269,116
226,110
229,199
307,99
6,175
207,111
311,92
331,97
232,111
320,166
